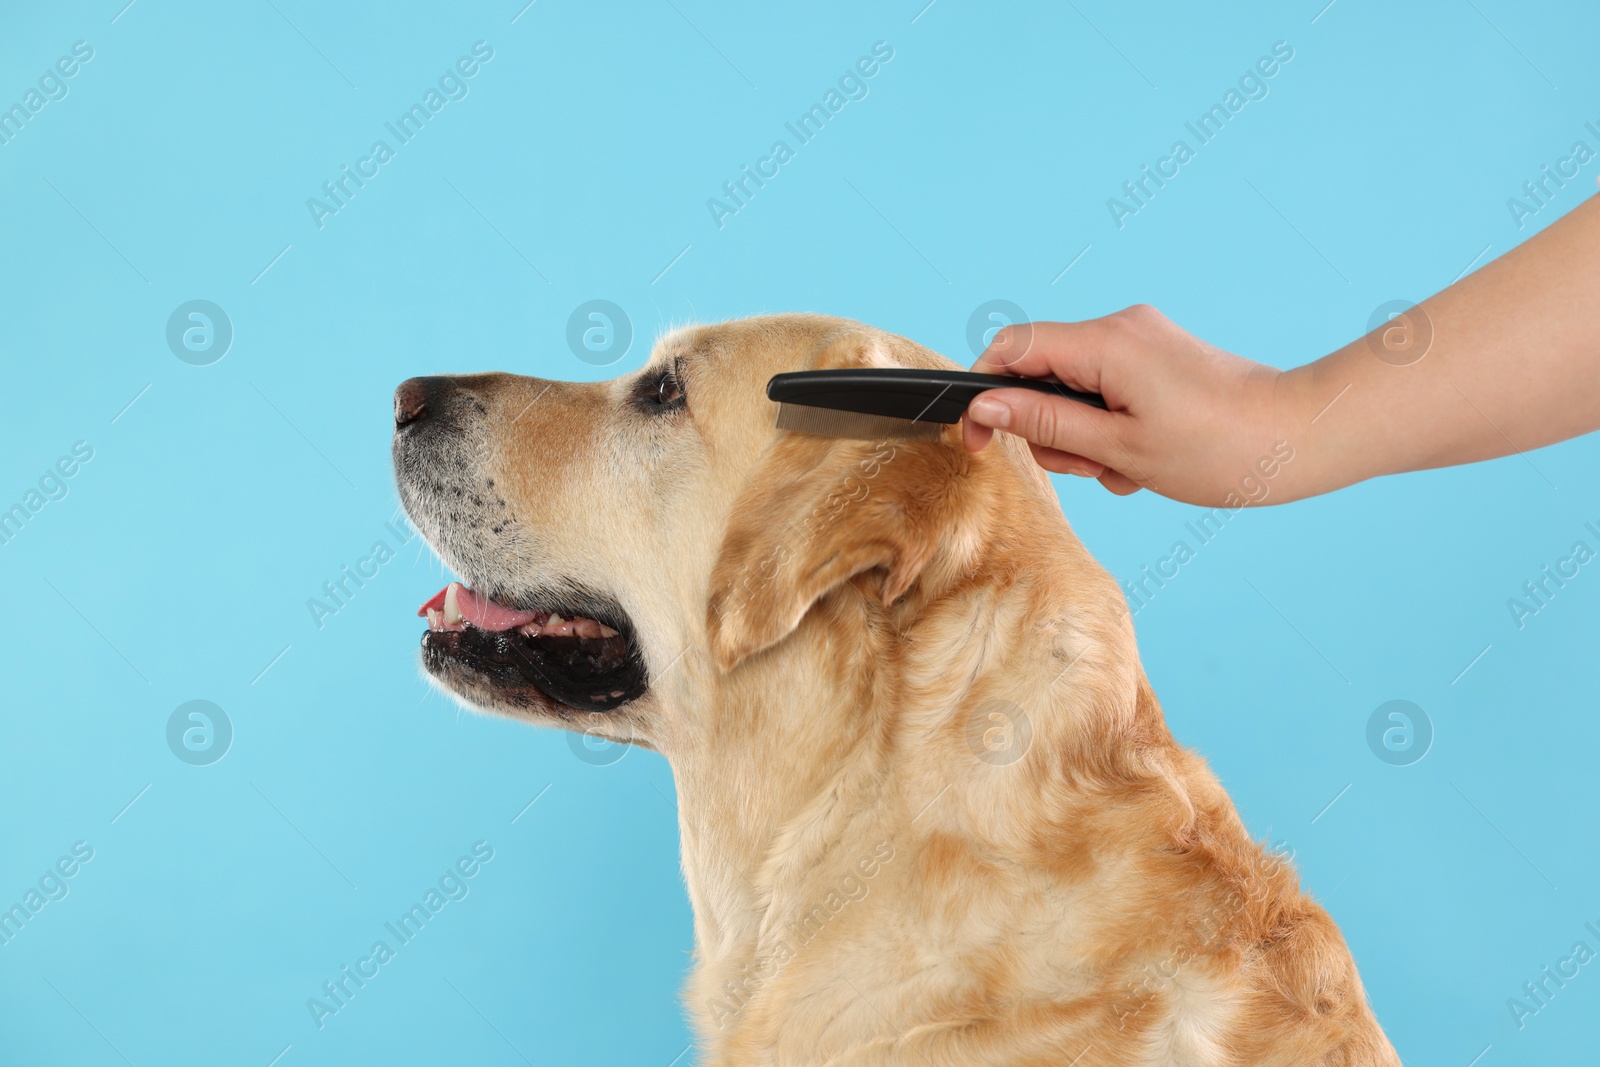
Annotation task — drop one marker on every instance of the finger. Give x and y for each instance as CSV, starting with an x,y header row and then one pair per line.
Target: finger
x,y
1053,422
975,436
1119,483
1066,462
1072,352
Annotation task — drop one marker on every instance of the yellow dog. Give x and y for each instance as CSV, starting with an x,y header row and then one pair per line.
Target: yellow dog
x,y
930,810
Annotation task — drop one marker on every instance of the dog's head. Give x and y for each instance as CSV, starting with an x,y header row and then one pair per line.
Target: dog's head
x,y
627,546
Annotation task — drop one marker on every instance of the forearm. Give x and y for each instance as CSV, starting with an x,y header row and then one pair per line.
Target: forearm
x,y
1513,364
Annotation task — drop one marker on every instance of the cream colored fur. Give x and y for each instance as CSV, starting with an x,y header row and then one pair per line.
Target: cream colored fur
x,y
930,811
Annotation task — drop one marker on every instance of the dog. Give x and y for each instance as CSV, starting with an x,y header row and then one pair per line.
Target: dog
x,y
930,810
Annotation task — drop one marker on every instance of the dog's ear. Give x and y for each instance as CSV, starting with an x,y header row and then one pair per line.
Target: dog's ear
x,y
820,511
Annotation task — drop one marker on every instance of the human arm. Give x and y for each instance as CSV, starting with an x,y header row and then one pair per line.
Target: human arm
x,y
1513,364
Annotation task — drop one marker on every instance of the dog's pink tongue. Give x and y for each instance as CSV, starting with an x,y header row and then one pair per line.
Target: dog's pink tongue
x,y
458,603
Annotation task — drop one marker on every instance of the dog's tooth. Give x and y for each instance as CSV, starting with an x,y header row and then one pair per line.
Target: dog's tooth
x,y
435,619
452,607
606,631
585,627
554,620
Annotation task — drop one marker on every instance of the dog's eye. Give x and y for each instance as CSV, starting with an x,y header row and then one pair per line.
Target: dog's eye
x,y
669,390
660,393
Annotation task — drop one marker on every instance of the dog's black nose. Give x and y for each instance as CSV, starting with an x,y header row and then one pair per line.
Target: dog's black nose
x,y
413,400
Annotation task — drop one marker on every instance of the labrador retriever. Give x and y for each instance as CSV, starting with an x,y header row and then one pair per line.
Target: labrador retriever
x,y
930,810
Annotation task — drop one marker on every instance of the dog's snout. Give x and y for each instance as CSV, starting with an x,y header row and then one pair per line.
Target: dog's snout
x,y
417,398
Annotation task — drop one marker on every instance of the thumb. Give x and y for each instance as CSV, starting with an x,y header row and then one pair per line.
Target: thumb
x,y
1051,422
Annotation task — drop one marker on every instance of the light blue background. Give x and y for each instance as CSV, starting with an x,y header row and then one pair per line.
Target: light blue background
x,y
179,565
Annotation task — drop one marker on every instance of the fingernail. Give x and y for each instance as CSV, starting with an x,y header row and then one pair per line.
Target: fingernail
x,y
987,411
1079,471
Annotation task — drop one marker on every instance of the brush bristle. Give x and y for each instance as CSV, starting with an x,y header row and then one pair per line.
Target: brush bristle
x,y
826,422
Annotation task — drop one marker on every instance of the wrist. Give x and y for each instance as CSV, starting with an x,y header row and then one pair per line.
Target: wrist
x,y
1316,403
1274,446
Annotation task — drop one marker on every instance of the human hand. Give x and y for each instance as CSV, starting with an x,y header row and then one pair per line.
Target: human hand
x,y
1186,420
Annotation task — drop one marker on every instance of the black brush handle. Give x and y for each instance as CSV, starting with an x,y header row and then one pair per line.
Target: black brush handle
x,y
905,393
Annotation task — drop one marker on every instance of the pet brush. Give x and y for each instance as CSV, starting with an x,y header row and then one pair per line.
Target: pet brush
x,y
869,403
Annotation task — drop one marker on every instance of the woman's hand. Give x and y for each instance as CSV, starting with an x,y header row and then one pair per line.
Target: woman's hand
x,y
1186,419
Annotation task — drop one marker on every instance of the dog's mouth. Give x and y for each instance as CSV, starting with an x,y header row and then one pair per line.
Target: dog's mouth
x,y
583,662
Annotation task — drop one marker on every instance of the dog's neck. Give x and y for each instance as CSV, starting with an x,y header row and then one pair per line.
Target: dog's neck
x,y
760,790
781,813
